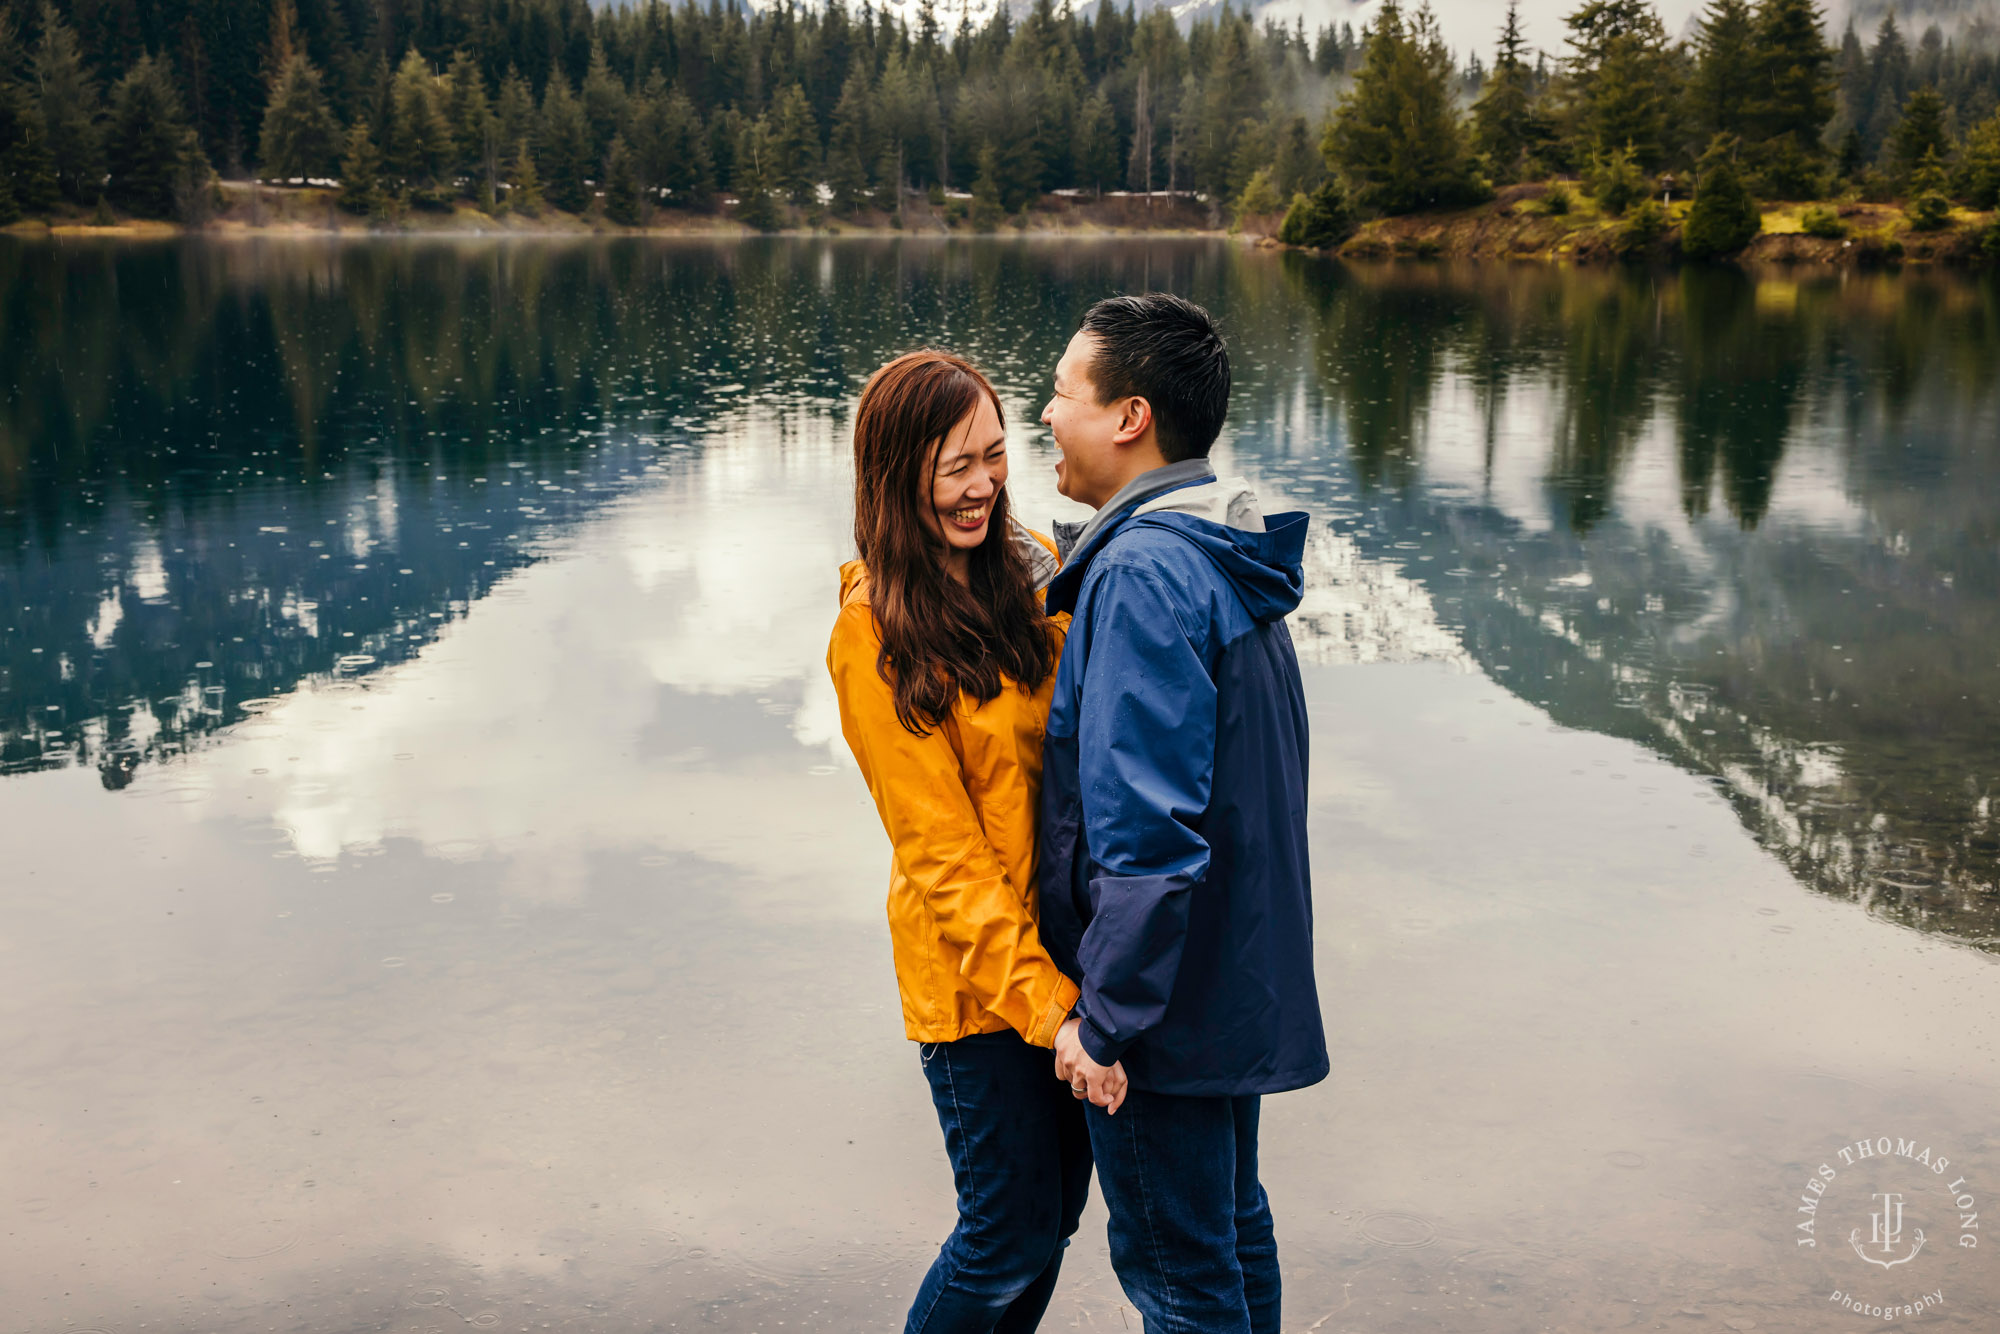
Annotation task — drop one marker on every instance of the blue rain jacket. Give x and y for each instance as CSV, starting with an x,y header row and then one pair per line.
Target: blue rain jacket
x,y
1175,889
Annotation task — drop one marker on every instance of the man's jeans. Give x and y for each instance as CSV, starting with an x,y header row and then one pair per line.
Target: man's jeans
x,y
1021,1158
1191,1234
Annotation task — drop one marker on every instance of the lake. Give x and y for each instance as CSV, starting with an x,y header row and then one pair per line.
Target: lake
x,y
436,893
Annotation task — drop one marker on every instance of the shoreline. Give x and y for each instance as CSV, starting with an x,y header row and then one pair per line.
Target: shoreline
x,y
1513,227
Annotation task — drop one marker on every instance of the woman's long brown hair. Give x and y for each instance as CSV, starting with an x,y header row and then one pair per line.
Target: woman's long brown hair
x,y
938,636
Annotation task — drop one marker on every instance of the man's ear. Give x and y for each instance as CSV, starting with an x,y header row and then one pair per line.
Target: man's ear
x,y
1134,419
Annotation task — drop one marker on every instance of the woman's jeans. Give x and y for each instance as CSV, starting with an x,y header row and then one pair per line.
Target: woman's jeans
x,y
1191,1236
1020,1156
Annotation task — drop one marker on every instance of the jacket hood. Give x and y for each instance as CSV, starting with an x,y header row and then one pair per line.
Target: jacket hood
x,y
1263,557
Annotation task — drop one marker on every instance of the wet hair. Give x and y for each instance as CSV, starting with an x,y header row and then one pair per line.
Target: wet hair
x,y
939,637
1167,351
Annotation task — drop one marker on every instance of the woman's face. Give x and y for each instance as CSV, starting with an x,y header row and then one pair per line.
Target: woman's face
x,y
969,471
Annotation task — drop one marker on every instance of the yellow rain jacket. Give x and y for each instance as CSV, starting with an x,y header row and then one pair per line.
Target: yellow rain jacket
x,y
959,807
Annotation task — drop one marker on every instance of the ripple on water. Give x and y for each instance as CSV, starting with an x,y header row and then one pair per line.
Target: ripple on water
x,y
257,1239
1388,1228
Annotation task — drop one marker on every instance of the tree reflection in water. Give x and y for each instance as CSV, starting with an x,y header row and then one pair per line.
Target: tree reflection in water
x,y
1747,521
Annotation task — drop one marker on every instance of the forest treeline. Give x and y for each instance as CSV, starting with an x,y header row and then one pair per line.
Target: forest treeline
x,y
520,104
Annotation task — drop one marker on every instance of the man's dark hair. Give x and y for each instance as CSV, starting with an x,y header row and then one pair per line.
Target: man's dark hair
x,y
1167,351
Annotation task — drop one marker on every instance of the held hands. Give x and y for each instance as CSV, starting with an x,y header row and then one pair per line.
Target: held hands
x,y
1104,1085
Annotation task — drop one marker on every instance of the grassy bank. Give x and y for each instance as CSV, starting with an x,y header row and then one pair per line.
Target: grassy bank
x,y
1522,223
241,209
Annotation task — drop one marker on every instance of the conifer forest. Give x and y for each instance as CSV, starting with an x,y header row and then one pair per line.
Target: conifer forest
x,y
788,112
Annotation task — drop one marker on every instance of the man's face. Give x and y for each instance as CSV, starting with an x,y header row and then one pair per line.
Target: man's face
x,y
1085,429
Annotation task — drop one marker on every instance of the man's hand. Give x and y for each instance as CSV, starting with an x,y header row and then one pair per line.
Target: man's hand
x,y
1104,1085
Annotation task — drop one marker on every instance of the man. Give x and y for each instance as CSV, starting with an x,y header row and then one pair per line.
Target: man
x,y
1174,884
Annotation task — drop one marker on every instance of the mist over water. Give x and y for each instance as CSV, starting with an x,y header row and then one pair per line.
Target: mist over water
x,y
438,895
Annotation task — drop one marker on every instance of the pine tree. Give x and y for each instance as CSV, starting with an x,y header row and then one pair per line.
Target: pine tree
x,y
524,183
149,151
1888,85
604,101
1397,137
1920,132
514,110
1981,164
850,147
1719,95
300,138
793,146
755,206
70,108
1724,216
361,172
419,149
474,133
1616,181
1794,98
1506,126
1620,80
1259,197
563,158
1097,144
27,173
621,184
1298,166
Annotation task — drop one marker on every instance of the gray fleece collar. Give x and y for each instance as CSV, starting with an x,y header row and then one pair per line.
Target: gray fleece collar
x,y
1071,536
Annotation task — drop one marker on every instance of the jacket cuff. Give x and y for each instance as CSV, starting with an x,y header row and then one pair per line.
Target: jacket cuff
x,y
1043,1034
1098,1044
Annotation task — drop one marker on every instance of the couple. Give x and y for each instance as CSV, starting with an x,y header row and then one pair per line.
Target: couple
x,y
1090,756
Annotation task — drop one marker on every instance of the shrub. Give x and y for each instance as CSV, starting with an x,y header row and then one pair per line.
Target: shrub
x,y
1928,211
1557,200
1319,221
1616,181
1259,197
1989,240
1822,222
1642,228
1724,216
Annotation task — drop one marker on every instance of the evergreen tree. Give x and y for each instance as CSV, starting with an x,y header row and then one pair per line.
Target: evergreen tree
x,y
1794,98
300,137
27,173
1298,166
1851,73
754,183
793,146
621,184
1921,132
850,147
149,151
1620,81
361,172
1097,154
1888,85
70,108
1506,126
514,110
1981,166
1616,181
419,149
1397,137
604,101
1259,197
1719,95
1724,216
474,132
524,183
563,157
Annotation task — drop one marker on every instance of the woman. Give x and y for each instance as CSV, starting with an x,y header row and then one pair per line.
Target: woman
x,y
944,665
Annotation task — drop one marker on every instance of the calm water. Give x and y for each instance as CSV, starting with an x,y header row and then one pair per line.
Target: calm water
x,y
436,894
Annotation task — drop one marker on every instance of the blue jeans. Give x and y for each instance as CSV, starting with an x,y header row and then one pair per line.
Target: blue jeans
x,y
1021,1159
1191,1236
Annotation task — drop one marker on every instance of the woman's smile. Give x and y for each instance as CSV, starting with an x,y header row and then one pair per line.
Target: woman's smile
x,y
970,518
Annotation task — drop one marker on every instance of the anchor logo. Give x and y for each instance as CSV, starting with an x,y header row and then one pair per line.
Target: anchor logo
x,y
1886,1233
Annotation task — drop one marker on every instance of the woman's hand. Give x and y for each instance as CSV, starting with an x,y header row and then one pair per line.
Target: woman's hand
x,y
1104,1085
